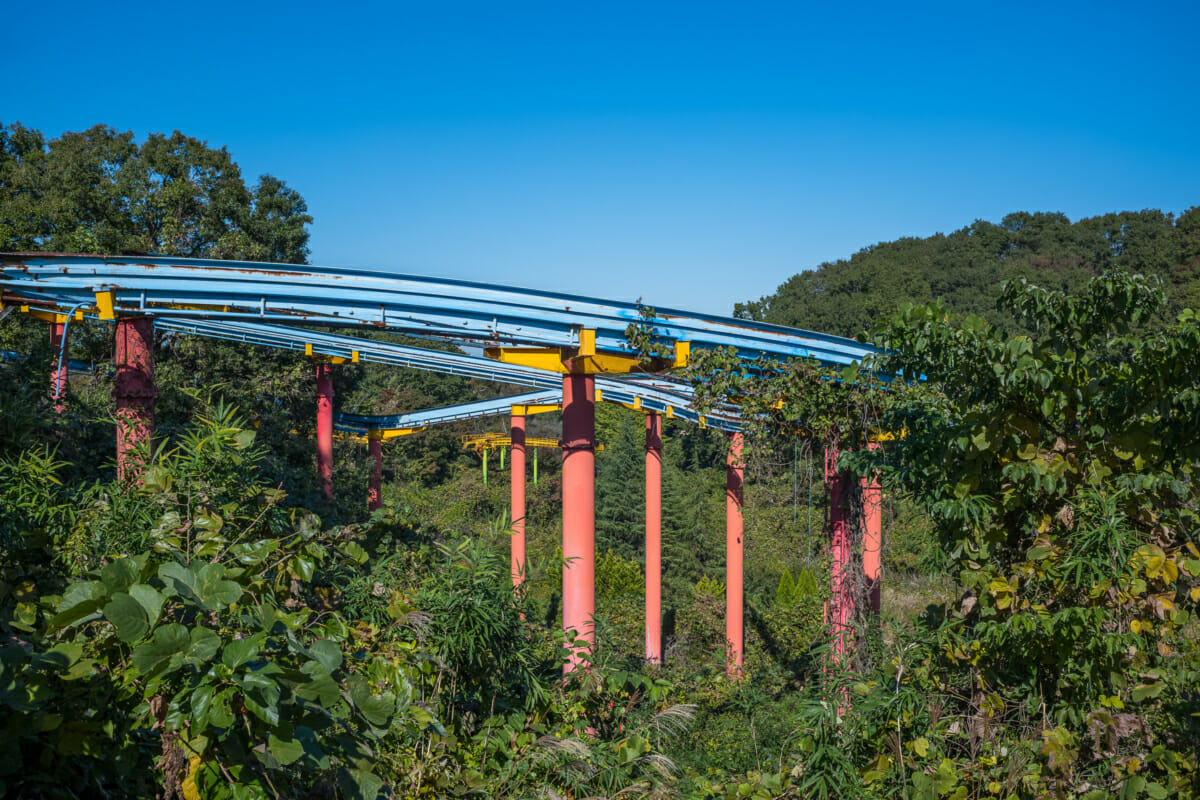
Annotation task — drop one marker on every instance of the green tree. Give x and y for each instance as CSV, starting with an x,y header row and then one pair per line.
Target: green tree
x,y
1057,468
964,269
98,191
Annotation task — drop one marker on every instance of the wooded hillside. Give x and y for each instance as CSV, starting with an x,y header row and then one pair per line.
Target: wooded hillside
x,y
965,269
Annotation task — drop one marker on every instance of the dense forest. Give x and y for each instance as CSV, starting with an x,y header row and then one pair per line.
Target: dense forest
x,y
965,269
218,629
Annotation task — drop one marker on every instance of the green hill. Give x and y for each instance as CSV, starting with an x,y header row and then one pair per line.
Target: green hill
x,y
966,268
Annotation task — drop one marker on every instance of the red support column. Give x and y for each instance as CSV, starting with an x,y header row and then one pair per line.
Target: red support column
x,y
579,511
58,383
841,601
375,488
734,473
872,500
134,391
325,429
654,538
517,435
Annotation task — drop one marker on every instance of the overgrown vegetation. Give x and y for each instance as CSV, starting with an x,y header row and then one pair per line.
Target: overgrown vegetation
x,y
218,630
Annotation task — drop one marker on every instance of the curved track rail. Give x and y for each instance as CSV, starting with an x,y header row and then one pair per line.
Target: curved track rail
x,y
486,314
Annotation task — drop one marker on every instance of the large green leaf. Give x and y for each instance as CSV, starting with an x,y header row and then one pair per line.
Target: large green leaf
x,y
119,575
203,644
321,688
239,651
178,579
261,696
285,751
328,653
251,553
82,599
128,616
359,784
214,591
149,599
59,657
376,709
164,650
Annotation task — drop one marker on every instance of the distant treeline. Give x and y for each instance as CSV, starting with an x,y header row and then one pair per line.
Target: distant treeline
x,y
966,268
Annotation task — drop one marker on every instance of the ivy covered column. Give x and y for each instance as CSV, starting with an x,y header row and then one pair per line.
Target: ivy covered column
x,y
840,607
134,391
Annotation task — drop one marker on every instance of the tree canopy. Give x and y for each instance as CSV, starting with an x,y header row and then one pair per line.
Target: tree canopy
x,y
99,191
965,269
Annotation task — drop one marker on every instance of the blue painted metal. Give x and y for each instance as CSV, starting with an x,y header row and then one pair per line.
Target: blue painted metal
x,y
652,393
496,406
459,310
72,364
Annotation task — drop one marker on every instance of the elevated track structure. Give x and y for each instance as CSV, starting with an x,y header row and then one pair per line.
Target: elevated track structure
x,y
571,351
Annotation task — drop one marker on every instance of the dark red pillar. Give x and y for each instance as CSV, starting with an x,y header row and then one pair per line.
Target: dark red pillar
x,y
375,489
325,429
517,546
654,538
841,600
134,391
58,383
734,474
872,500
579,511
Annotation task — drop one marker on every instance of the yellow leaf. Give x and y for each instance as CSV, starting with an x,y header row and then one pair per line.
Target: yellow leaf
x,y
1195,594
1171,571
190,790
877,769
1136,626
919,746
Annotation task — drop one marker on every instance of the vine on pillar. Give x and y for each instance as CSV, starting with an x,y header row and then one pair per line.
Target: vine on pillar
x,y
134,392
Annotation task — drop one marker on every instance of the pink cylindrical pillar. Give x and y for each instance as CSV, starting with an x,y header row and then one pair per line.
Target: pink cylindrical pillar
x,y
133,388
841,600
58,382
654,538
734,473
872,500
517,545
375,488
579,511
325,429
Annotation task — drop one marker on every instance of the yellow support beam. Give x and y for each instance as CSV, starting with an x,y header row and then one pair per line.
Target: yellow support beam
x,y
482,442
308,351
683,353
382,434
105,305
585,359
529,409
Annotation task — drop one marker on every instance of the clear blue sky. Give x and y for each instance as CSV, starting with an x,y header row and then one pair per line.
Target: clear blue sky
x,y
693,154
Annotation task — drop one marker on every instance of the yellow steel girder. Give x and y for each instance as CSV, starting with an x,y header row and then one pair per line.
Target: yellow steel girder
x,y
353,359
586,360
